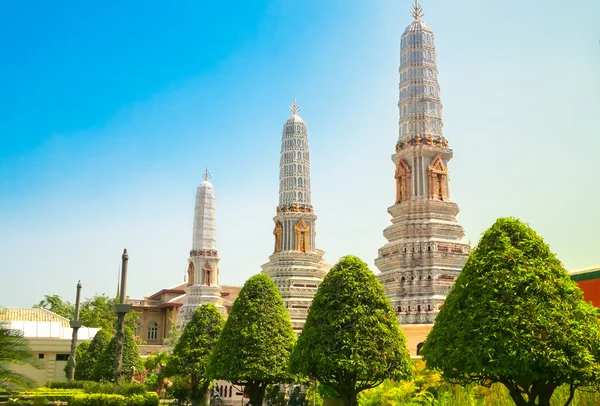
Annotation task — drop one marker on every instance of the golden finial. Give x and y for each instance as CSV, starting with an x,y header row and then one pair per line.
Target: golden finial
x,y
206,175
294,107
417,10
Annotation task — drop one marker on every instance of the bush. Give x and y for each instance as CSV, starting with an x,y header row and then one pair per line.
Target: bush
x,y
67,384
50,395
103,369
90,357
103,399
125,389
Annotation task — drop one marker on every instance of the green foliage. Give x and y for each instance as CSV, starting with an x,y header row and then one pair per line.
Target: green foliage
x,y
100,399
88,359
173,337
313,396
55,304
82,347
156,361
14,350
351,340
97,311
193,349
257,339
424,389
180,389
66,384
515,317
125,389
103,370
49,395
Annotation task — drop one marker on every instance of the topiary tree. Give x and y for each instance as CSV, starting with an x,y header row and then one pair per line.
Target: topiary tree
x,y
515,317
257,340
82,347
352,339
90,357
103,370
193,350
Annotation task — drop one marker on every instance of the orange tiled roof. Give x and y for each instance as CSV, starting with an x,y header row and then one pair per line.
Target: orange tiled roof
x,y
33,315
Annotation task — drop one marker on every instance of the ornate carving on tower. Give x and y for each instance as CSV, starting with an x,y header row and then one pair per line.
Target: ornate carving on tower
x,y
402,181
190,273
437,174
302,229
425,251
296,266
278,233
207,274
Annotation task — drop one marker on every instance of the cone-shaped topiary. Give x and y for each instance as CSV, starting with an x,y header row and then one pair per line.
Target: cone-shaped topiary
x,y
515,317
352,339
257,340
193,349
84,369
103,370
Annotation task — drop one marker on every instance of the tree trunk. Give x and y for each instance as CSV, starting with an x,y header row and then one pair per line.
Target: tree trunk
x,y
200,393
333,402
517,397
256,393
349,398
545,394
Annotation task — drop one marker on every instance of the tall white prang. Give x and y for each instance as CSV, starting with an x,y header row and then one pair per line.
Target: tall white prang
x,y
296,265
203,262
425,250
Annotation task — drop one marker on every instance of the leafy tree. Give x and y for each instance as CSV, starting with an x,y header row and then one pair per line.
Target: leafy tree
x,y
193,349
257,340
55,304
82,347
14,350
103,370
97,311
84,370
352,339
515,317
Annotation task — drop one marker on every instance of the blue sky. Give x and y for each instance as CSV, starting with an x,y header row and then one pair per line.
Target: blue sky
x,y
112,111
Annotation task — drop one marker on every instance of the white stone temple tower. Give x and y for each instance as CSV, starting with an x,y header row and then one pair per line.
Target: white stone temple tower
x,y
296,265
203,269
425,250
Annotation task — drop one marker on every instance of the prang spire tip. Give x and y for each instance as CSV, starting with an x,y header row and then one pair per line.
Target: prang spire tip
x,y
417,11
295,108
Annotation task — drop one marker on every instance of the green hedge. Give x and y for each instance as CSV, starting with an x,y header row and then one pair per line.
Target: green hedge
x,y
125,389
51,395
67,384
103,399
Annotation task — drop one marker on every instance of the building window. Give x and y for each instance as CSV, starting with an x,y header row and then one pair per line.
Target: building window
x,y
62,357
41,356
152,330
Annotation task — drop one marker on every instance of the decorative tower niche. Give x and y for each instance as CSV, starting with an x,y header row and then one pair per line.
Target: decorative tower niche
x,y
296,265
203,263
425,252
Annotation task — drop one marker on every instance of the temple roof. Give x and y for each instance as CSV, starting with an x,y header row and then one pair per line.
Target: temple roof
x,y
33,314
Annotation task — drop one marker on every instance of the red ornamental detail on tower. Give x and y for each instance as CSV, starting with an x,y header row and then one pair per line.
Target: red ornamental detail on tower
x,y
402,181
438,179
